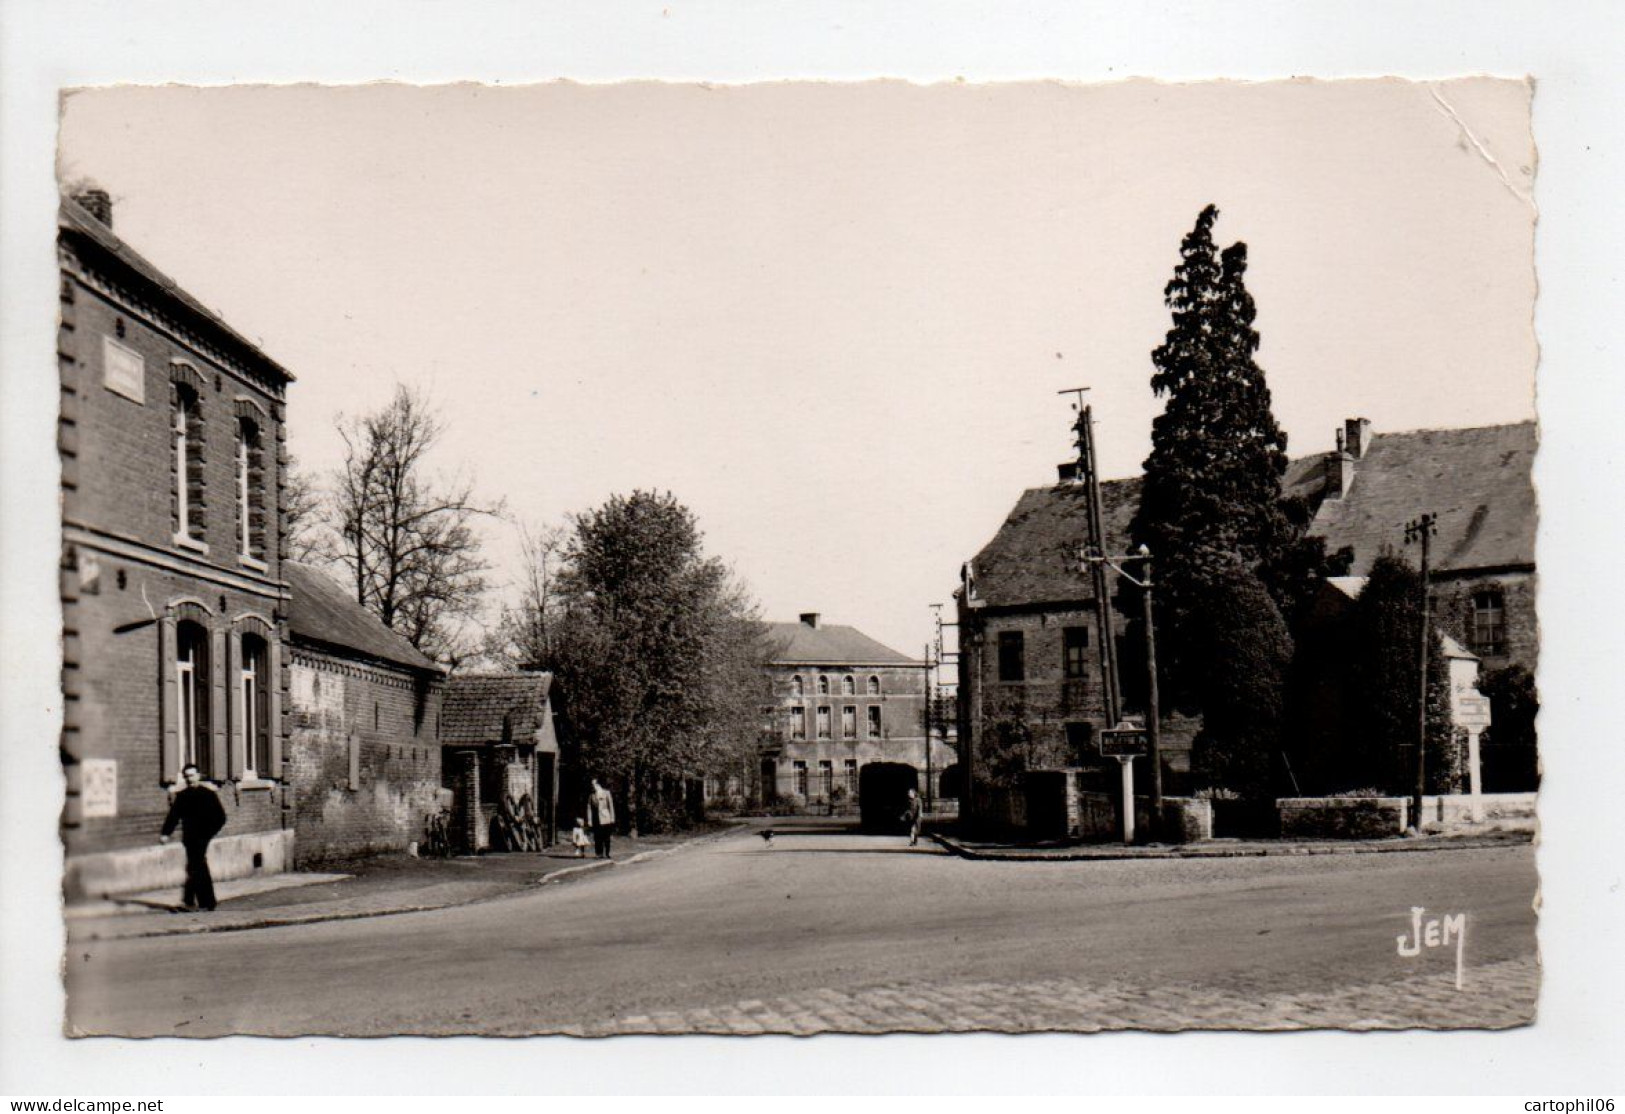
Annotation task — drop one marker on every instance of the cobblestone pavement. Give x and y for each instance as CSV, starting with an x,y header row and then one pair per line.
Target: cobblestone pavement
x,y
1498,996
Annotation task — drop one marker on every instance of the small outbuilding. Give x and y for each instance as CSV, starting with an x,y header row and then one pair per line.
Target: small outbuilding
x,y
499,757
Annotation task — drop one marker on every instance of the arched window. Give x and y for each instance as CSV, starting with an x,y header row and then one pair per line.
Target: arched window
x,y
192,695
874,686
823,686
795,685
253,705
849,687
250,490
187,432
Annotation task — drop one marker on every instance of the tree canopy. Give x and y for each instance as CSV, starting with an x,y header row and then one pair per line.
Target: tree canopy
x,y
658,650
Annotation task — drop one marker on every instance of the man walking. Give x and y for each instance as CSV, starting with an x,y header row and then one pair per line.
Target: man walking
x,y
198,811
601,815
911,816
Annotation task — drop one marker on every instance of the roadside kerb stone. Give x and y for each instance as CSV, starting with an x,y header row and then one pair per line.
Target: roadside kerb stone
x,y
152,923
1110,852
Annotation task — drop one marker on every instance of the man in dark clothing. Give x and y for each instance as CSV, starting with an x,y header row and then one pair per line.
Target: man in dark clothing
x,y
198,811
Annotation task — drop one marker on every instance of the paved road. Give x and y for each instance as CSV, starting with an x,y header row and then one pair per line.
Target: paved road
x,y
835,931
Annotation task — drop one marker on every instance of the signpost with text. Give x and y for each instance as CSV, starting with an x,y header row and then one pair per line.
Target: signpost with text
x,y
1125,743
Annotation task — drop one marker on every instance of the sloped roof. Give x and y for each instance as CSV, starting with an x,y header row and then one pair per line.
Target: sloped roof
x,y
74,220
1033,559
830,643
485,708
1477,481
322,611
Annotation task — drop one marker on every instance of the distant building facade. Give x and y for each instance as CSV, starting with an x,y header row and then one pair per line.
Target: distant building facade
x,y
174,601
1030,689
364,712
840,700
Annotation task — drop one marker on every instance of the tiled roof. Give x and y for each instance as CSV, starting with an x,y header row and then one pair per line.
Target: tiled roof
x,y
1352,586
322,611
494,707
829,643
1476,480
74,220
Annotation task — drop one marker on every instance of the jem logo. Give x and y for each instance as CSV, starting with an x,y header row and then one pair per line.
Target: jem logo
x,y
1434,932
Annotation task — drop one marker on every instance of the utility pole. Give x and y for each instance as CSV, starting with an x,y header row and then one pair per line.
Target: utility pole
x,y
929,719
1423,528
1153,711
1095,546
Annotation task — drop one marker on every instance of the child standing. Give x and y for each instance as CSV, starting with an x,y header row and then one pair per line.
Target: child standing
x,y
578,838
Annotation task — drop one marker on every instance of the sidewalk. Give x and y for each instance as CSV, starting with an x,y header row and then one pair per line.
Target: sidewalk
x,y
364,887
1223,848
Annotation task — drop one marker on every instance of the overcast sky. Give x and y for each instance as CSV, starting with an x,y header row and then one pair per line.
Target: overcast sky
x,y
832,319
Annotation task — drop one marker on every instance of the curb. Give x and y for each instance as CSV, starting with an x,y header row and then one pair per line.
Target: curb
x,y
561,874
1199,851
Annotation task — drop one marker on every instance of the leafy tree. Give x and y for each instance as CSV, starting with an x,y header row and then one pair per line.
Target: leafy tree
x,y
1247,650
1514,705
1211,498
658,651
406,538
1386,633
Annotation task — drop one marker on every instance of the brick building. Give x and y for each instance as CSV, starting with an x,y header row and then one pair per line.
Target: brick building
x,y
840,701
499,744
1030,683
364,710
173,597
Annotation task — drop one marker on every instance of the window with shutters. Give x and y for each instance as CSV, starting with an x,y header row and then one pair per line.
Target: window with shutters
x,y
192,696
823,721
253,698
186,431
798,722
849,722
251,501
874,721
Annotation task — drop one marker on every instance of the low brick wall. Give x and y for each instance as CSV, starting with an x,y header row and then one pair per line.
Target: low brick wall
x,y
1185,820
164,865
1342,817
1454,812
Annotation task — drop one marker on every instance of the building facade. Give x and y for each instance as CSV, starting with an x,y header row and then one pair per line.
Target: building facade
x,y
364,712
838,701
173,597
1031,693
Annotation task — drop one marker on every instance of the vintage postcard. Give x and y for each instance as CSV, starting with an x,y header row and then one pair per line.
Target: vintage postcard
x,y
798,558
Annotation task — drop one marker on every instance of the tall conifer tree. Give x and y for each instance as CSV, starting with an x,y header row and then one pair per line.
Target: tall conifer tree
x,y
1211,501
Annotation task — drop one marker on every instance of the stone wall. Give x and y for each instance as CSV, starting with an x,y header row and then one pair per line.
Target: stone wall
x,y
1343,817
363,758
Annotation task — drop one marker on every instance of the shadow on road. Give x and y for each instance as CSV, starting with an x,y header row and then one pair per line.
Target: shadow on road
x,y
777,850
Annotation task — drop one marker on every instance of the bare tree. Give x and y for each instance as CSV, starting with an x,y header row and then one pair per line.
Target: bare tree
x,y
527,632
302,521
405,538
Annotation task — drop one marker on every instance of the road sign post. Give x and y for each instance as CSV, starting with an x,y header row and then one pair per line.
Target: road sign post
x,y
1125,743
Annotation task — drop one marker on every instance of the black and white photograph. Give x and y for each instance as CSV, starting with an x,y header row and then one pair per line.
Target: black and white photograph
x,y
899,531
609,562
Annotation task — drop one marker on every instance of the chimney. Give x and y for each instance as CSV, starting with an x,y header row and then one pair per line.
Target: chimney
x,y
1067,472
1356,436
97,203
810,618
1339,468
